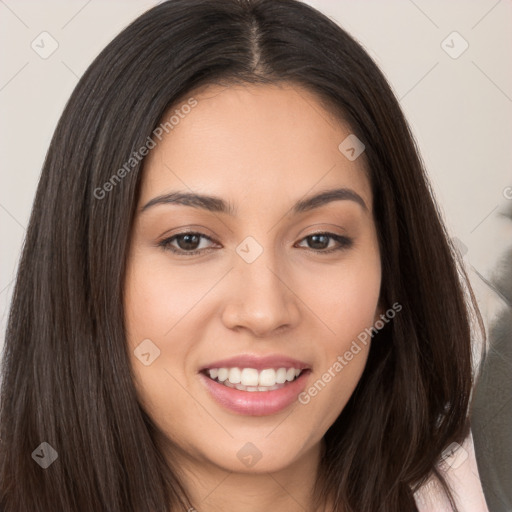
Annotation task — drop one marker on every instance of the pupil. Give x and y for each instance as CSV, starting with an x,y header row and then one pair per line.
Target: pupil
x,y
187,240
316,243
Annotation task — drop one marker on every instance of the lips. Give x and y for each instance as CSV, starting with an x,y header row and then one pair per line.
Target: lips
x,y
255,386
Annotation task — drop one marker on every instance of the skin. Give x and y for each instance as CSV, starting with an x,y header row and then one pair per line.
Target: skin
x,y
261,147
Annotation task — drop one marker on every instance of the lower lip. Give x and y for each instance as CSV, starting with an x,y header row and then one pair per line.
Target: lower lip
x,y
256,403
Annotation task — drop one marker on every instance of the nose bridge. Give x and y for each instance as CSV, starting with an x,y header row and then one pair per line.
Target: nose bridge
x,y
262,299
258,268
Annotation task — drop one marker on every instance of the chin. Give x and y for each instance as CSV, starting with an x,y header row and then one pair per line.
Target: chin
x,y
257,456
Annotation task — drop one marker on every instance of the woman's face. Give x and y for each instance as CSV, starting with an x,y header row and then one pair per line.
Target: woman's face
x,y
263,298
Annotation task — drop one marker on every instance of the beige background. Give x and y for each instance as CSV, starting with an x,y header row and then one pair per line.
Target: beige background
x,y
460,109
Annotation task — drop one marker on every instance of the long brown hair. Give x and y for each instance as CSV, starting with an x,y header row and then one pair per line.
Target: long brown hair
x,y
66,368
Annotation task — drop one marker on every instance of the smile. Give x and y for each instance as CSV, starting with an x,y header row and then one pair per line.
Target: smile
x,y
274,396
252,380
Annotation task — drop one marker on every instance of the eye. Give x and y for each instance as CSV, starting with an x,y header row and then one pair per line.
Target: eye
x,y
187,243
320,242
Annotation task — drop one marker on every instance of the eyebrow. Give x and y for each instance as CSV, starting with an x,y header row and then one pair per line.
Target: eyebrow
x,y
218,205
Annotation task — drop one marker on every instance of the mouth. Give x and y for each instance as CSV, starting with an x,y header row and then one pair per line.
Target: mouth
x,y
257,391
253,380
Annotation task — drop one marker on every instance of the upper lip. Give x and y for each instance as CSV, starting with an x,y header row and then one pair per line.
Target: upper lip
x,y
257,362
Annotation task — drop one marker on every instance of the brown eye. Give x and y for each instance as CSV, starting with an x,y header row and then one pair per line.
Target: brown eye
x,y
319,242
186,243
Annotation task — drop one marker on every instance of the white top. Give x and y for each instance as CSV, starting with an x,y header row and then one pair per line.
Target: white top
x,y
462,476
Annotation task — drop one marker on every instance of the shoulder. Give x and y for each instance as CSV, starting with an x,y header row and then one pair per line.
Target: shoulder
x,y
460,470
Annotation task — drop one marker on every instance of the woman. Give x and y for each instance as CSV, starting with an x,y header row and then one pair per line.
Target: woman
x,y
310,350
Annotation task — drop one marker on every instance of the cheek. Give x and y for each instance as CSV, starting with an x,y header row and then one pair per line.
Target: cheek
x,y
154,305
157,298
339,369
345,298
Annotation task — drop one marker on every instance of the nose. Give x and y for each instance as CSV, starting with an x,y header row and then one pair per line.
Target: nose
x,y
262,298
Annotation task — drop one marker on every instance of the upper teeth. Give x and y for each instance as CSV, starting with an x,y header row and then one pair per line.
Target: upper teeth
x,y
253,377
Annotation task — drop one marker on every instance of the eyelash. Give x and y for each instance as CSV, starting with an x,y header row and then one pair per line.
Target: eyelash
x,y
345,243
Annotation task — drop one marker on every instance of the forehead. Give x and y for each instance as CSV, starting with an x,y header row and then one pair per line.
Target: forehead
x,y
252,139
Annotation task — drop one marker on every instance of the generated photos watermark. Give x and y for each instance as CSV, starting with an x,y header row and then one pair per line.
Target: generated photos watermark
x,y
343,360
137,156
